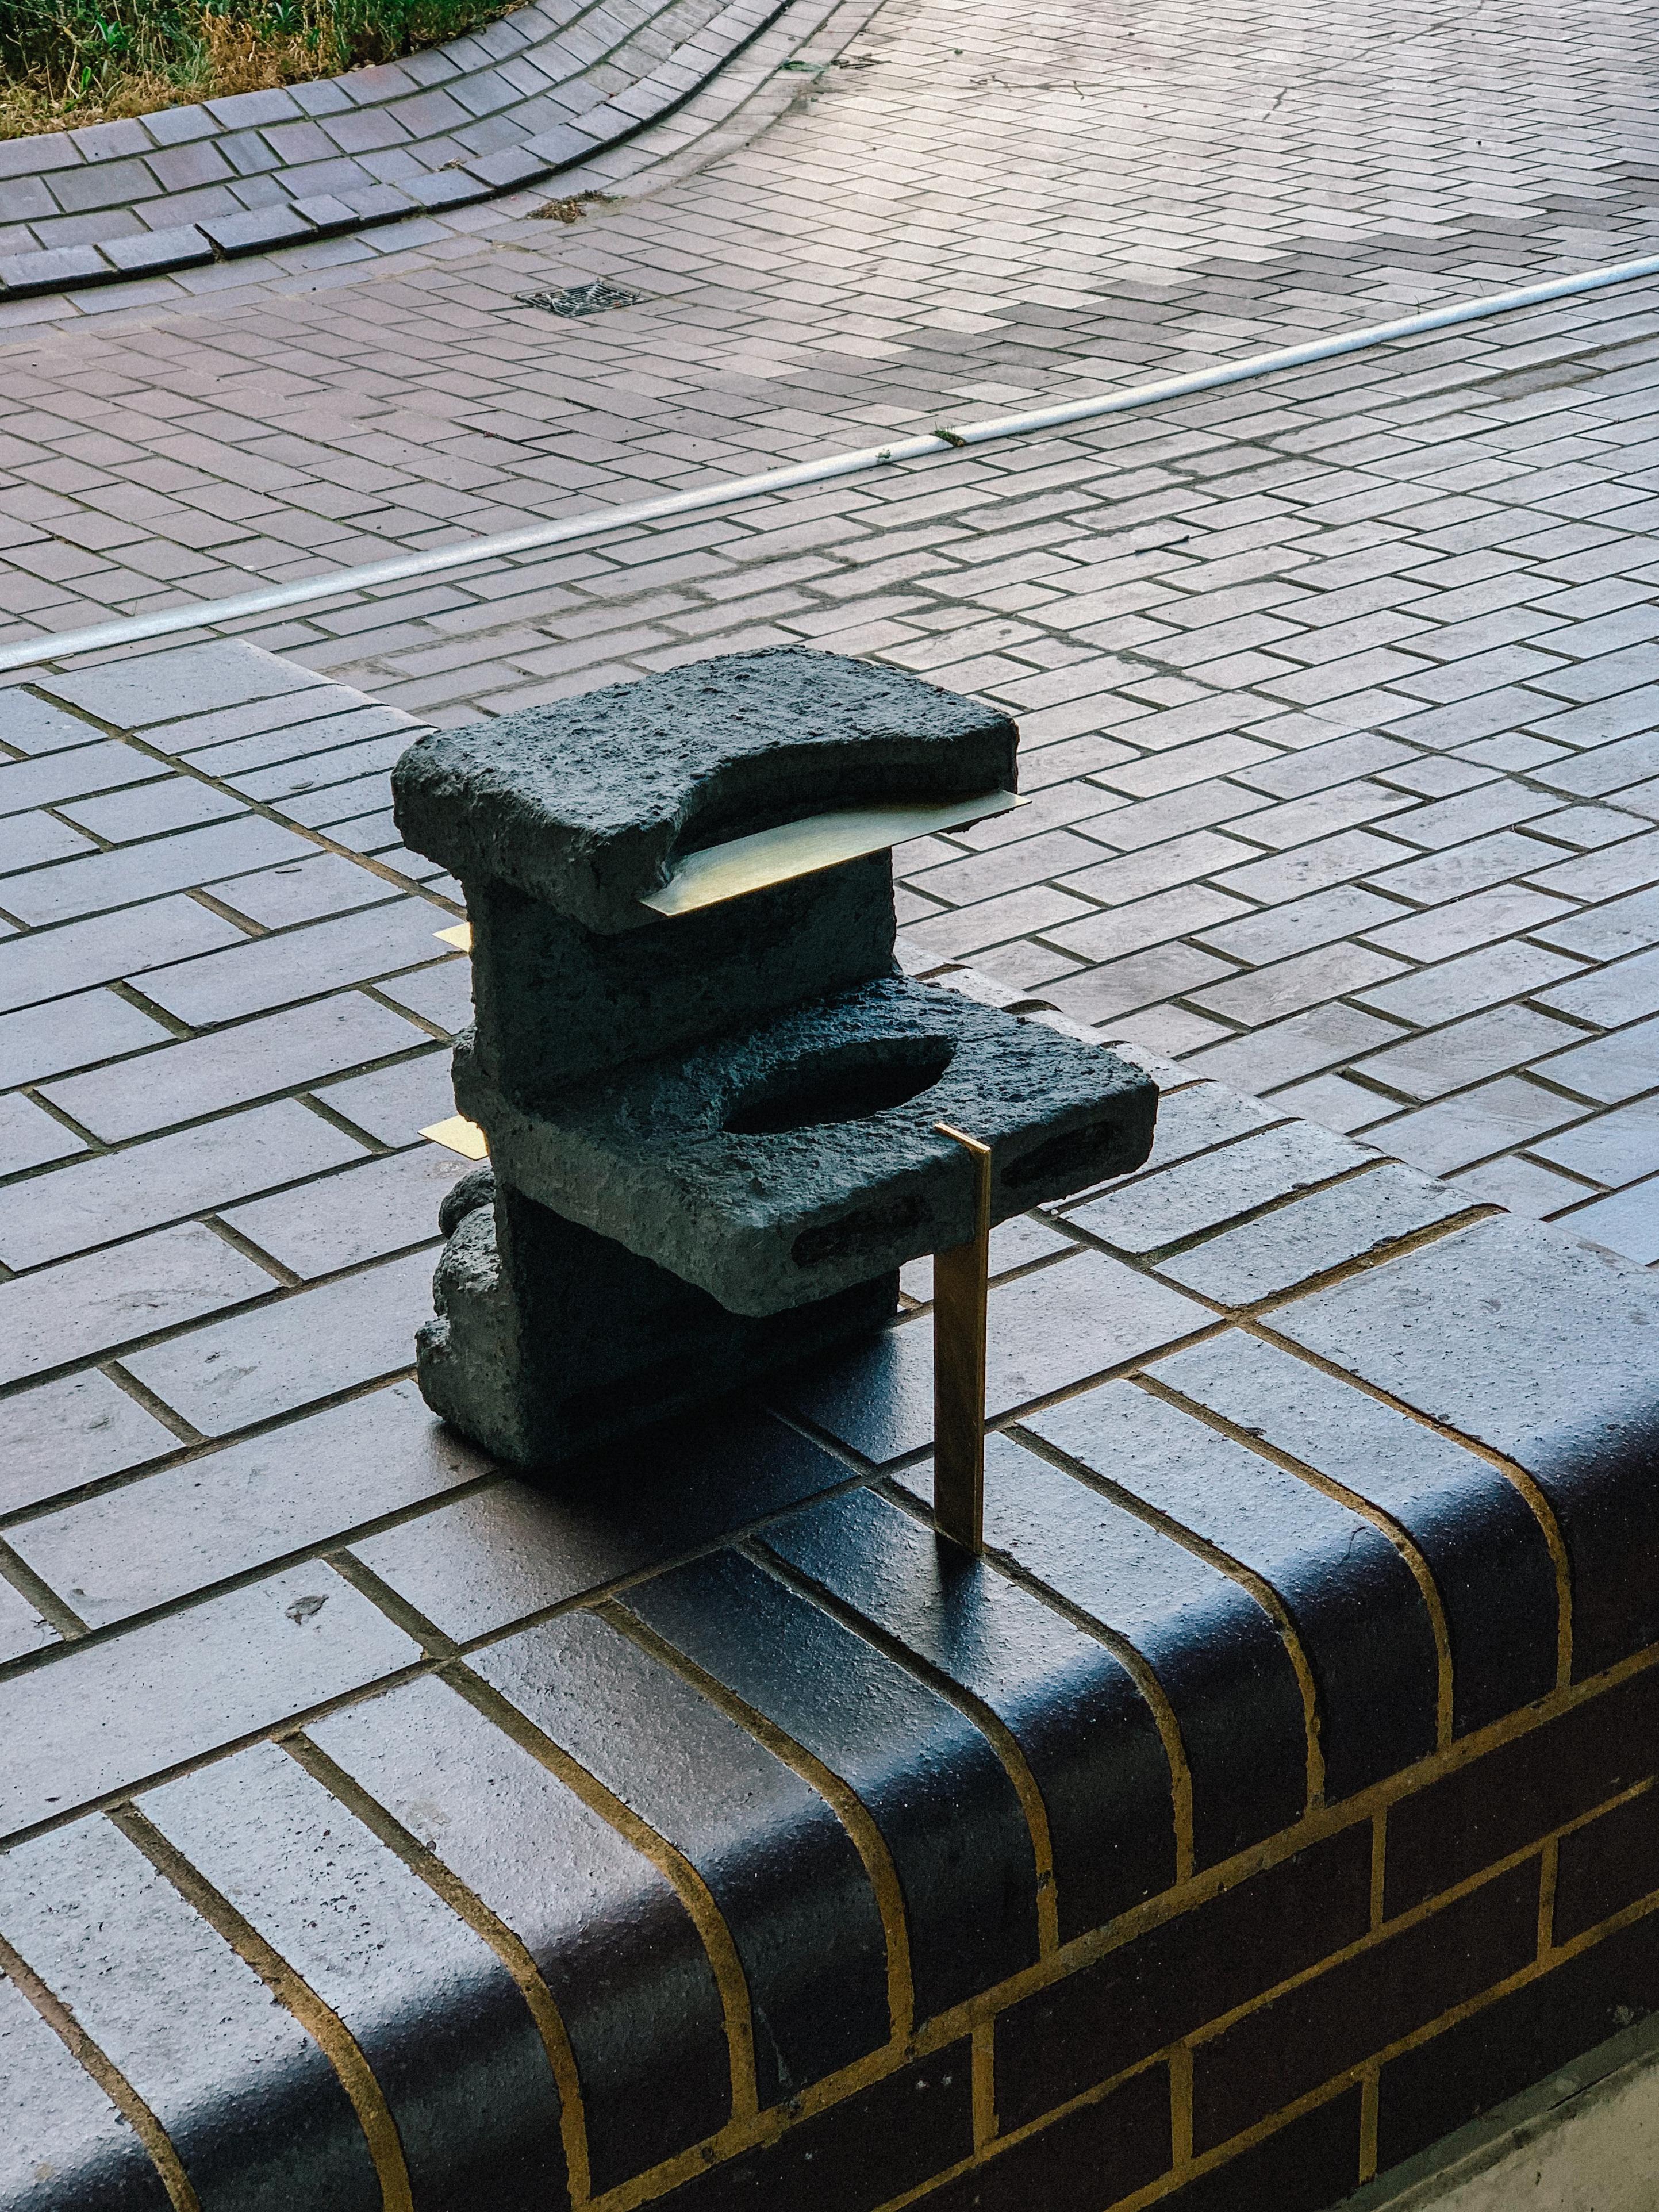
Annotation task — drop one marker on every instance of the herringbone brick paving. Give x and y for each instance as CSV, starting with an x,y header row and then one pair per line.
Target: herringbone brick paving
x,y
1336,690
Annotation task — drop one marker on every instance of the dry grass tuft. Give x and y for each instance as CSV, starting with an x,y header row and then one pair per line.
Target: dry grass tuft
x,y
572,209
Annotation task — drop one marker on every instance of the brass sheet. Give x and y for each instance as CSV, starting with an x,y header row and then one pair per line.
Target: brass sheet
x,y
962,1278
821,841
458,1134
460,936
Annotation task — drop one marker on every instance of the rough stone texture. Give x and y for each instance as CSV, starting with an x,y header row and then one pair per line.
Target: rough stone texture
x,y
558,1003
674,1157
549,1340
685,1196
706,1868
1496,482
584,806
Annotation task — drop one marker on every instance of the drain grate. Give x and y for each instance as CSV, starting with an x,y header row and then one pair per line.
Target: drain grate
x,y
594,299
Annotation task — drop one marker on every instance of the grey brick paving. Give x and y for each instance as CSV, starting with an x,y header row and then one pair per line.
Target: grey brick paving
x,y
1338,693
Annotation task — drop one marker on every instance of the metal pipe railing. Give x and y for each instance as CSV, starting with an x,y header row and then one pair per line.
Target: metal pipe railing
x,y
1098,407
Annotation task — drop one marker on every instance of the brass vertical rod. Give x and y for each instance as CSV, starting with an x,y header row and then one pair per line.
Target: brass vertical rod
x,y
960,1287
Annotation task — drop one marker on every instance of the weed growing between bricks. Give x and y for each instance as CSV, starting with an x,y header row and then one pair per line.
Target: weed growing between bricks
x,y
572,209
66,62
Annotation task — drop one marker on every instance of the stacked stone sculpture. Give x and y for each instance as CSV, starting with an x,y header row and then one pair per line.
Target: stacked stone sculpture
x,y
713,1131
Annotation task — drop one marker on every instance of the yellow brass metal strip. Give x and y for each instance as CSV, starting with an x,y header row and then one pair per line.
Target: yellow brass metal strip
x,y
458,1134
821,841
962,1278
459,934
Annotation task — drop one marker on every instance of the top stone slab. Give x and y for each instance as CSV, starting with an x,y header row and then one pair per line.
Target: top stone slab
x,y
586,806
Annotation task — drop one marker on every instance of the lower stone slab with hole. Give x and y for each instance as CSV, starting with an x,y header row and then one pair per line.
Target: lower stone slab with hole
x,y
775,1166
692,1827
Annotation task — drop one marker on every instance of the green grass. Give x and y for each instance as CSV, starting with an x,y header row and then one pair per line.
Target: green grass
x,y
63,63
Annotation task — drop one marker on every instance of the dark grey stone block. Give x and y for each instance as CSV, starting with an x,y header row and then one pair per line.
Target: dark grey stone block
x,y
510,167
258,230
549,1340
440,190
586,806
561,145
372,204
24,273
98,185
713,1131
326,214
801,1157
558,1003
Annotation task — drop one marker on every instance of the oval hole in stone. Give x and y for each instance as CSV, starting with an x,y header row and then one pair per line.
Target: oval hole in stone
x,y
840,1083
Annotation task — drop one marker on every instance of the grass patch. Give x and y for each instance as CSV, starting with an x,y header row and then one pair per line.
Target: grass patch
x,y
65,63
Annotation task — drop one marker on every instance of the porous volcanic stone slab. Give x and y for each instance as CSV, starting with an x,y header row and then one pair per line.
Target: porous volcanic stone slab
x,y
557,1002
776,1168
549,1340
584,805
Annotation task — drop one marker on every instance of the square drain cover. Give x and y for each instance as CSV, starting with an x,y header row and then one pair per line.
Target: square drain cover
x,y
592,299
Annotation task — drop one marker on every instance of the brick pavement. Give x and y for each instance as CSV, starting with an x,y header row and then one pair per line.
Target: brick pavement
x,y
1276,1699
536,92
1336,690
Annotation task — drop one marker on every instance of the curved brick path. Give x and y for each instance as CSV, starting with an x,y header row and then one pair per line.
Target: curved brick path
x,y
551,86
1338,690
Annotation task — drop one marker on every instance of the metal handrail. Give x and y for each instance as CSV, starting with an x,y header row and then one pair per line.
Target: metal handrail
x,y
271,598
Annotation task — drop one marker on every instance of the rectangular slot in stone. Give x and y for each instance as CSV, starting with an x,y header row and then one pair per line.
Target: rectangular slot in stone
x,y
725,871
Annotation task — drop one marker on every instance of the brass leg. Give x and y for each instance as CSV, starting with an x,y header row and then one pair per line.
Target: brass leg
x,y
961,1284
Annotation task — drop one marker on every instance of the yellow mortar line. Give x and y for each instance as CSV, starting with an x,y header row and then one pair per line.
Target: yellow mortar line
x,y
109,2078
855,1815
1378,1515
320,2020
468,1907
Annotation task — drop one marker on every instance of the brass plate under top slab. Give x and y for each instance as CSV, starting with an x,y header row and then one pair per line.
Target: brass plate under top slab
x,y
458,1134
822,841
460,936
